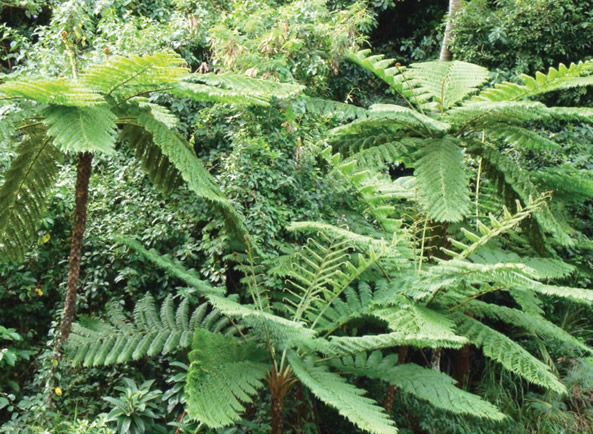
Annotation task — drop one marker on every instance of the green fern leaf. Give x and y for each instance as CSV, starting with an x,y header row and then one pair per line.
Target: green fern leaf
x,y
442,181
56,91
511,355
23,195
81,129
131,75
426,384
344,397
520,138
223,375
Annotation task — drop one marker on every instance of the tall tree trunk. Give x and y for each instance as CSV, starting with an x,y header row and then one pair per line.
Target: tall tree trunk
x,y
82,193
454,7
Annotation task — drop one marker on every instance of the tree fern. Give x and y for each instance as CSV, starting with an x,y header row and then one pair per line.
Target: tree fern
x,y
442,180
94,342
344,397
223,375
23,195
508,353
436,388
520,138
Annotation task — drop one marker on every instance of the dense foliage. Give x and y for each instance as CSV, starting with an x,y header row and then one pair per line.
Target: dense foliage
x,y
288,231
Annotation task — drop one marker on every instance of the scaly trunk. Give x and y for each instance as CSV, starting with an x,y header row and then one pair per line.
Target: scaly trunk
x,y
454,7
82,192
462,365
390,394
279,383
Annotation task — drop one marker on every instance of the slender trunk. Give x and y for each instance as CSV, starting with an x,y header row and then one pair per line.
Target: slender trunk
x,y
390,394
462,365
435,360
279,383
82,192
454,7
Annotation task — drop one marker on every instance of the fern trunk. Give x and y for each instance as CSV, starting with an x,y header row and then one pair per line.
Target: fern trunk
x,y
82,192
454,7
389,399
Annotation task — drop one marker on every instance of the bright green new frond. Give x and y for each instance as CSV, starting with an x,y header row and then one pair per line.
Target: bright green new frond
x,y
361,241
576,75
57,91
249,86
132,75
496,228
223,375
426,384
511,355
174,268
23,195
118,340
447,83
197,178
481,115
81,129
520,138
532,323
336,392
514,184
442,180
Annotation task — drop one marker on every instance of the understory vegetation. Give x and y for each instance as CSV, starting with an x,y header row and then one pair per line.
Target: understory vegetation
x,y
300,216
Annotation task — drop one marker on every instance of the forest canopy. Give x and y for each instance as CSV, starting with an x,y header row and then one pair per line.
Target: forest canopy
x,y
299,216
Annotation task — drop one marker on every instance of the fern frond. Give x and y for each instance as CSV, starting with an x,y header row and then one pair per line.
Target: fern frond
x,y
56,91
511,355
376,157
426,384
172,267
447,83
249,86
532,323
123,77
520,138
376,64
344,397
567,181
442,180
497,227
223,375
23,195
514,184
205,93
81,129
198,180
94,342
576,75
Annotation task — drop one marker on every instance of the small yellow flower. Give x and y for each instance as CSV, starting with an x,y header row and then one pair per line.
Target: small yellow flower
x,y
58,391
38,291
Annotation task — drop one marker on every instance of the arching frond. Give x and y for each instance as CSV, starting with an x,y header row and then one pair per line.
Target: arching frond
x,y
336,392
520,138
23,195
511,355
429,385
57,91
576,75
224,374
118,340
